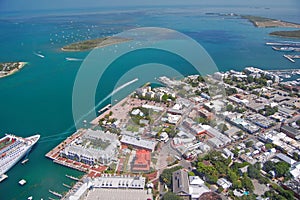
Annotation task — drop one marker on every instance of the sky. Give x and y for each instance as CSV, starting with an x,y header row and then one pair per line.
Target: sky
x,y
13,5
28,5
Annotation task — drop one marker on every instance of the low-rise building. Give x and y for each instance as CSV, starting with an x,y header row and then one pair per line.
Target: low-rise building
x,y
224,183
180,183
142,161
138,143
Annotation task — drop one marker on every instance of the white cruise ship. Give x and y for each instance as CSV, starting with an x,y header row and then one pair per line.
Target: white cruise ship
x,y
13,148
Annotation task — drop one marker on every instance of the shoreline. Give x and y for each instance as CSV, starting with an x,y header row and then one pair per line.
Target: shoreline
x,y
108,41
263,22
15,70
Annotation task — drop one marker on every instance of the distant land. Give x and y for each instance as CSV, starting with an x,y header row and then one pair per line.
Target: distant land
x,y
268,22
288,34
94,43
10,68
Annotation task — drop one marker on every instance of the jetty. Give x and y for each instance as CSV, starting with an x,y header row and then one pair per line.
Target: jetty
x,y
291,44
105,108
55,193
67,186
51,198
291,57
72,177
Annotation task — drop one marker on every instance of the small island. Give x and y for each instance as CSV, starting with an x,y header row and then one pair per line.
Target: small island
x,y
268,22
94,43
10,68
287,34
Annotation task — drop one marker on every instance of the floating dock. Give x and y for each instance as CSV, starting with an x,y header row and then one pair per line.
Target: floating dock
x,y
55,193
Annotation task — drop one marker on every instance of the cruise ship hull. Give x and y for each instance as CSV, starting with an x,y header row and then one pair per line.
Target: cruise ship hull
x,y
13,152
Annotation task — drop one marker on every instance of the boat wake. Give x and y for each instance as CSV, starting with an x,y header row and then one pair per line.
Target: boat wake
x,y
103,100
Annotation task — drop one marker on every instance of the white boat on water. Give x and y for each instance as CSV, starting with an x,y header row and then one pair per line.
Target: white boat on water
x,y
13,149
74,59
39,55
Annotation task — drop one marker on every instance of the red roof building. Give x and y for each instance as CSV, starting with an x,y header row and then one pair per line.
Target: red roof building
x,y
142,160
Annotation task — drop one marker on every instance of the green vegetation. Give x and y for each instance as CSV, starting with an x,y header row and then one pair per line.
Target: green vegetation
x,y
255,19
230,91
229,107
298,122
281,168
144,114
278,193
166,175
90,44
288,34
222,127
249,144
132,128
268,110
171,196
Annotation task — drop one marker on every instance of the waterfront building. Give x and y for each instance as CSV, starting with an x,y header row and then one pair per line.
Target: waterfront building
x,y
93,147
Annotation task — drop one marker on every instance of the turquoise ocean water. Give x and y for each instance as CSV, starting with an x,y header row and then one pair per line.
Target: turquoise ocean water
x,y
38,99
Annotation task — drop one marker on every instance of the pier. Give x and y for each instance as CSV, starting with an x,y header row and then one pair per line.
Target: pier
x,y
291,44
55,193
291,57
104,108
72,177
67,186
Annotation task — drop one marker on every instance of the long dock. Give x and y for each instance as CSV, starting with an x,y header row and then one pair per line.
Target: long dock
x,y
105,108
55,193
291,57
67,186
283,44
72,177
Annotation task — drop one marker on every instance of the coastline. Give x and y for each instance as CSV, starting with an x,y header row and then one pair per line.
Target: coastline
x,y
107,41
11,72
263,22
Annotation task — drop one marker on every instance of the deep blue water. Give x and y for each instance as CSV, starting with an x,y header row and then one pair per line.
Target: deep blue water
x,y
39,97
